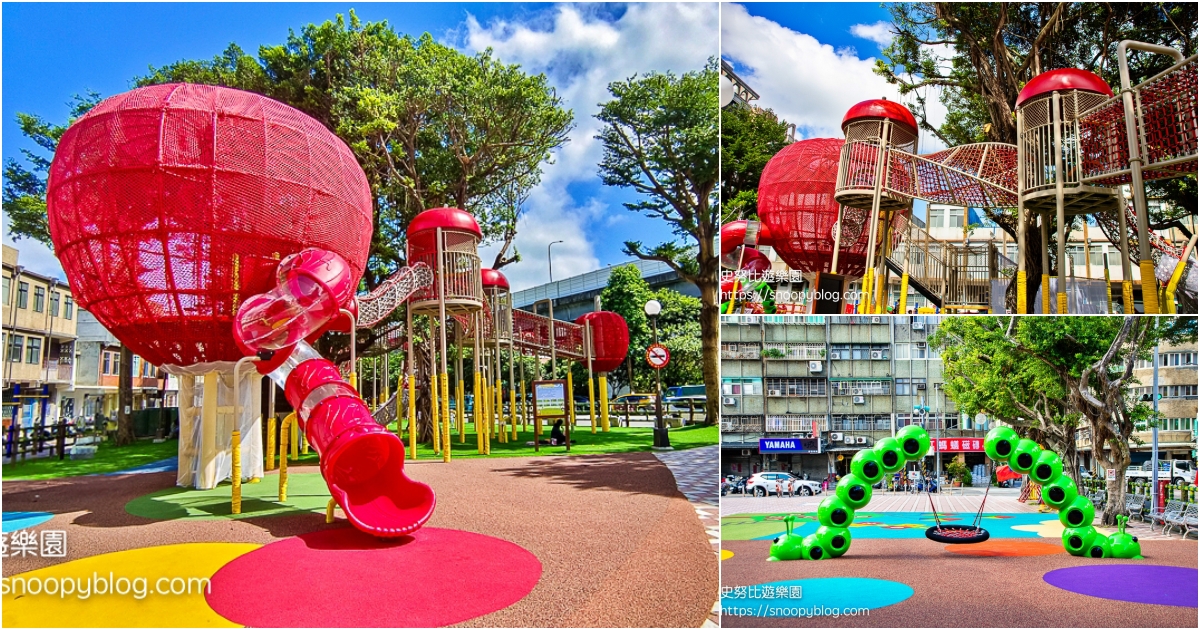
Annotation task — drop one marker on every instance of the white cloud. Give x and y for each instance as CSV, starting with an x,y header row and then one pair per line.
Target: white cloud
x,y
581,52
879,32
805,81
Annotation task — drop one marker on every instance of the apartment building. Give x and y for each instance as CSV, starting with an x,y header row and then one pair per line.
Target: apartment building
x,y
98,375
1177,408
39,326
805,393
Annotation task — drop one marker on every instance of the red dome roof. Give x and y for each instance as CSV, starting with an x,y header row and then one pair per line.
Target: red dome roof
x,y
1063,79
493,278
445,218
734,234
880,108
171,205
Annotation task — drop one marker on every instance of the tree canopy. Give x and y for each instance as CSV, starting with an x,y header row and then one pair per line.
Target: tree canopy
x,y
678,329
749,139
1049,376
430,126
661,140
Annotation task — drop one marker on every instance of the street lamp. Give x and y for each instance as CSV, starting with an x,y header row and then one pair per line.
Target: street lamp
x,y
549,260
653,308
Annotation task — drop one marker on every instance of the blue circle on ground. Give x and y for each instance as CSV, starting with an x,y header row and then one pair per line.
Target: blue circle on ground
x,y
14,521
817,597
1140,583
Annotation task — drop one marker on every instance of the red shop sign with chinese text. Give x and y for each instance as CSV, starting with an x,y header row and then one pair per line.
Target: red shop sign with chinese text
x,y
960,445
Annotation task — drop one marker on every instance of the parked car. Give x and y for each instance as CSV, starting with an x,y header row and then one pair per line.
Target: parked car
x,y
733,484
765,483
632,402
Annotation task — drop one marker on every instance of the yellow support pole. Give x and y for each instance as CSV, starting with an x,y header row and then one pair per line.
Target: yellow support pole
x,y
476,408
271,428
524,405
460,400
501,434
235,477
1045,291
433,413
294,431
303,443
446,417
412,417
488,413
1022,289
604,425
570,398
283,439
903,293
329,507
1062,303
512,411
864,295
592,403
1149,288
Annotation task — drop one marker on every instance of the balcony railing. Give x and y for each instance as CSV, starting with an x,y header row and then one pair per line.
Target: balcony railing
x,y
56,372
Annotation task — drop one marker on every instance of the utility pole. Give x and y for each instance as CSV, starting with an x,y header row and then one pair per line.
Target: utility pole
x,y
1154,435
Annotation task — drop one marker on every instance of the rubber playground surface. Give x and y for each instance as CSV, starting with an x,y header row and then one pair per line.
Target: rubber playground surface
x,y
893,576
541,541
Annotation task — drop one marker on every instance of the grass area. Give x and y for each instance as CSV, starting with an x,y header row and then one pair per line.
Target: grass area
x,y
109,458
617,440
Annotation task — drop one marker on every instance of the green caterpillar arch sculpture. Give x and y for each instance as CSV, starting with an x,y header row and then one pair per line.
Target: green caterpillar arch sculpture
x,y
889,455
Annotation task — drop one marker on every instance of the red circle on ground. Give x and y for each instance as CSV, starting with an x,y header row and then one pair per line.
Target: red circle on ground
x,y
1006,548
345,578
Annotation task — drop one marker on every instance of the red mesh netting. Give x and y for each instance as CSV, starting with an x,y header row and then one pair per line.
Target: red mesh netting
x,y
795,201
610,339
170,204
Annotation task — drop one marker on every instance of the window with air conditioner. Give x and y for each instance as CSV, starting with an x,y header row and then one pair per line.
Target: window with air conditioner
x,y
860,400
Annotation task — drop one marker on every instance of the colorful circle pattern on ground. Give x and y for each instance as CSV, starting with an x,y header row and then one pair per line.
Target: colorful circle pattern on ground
x,y
344,578
1140,583
817,597
876,524
23,608
1006,548
14,521
726,554
307,492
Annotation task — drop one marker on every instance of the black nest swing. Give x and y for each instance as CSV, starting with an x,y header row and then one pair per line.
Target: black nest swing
x,y
956,534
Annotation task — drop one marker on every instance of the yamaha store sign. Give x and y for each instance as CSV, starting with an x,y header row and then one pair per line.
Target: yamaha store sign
x,y
789,445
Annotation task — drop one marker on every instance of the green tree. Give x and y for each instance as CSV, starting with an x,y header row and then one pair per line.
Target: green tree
x,y
996,48
660,139
1048,376
430,126
24,199
749,139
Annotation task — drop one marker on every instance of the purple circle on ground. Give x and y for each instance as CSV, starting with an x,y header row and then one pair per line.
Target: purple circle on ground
x,y
1140,583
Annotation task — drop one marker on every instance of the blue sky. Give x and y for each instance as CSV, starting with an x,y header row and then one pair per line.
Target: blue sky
x,y
53,51
810,62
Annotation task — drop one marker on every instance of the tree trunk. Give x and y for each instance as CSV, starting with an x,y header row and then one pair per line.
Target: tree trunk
x,y
710,336
125,399
1117,458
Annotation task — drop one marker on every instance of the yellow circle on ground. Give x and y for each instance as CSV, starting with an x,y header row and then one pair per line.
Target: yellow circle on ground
x,y
726,554
34,599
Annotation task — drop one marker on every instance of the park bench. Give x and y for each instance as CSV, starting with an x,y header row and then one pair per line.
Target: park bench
x,y
1174,509
1185,520
1134,505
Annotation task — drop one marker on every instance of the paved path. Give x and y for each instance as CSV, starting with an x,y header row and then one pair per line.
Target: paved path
x,y
697,474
